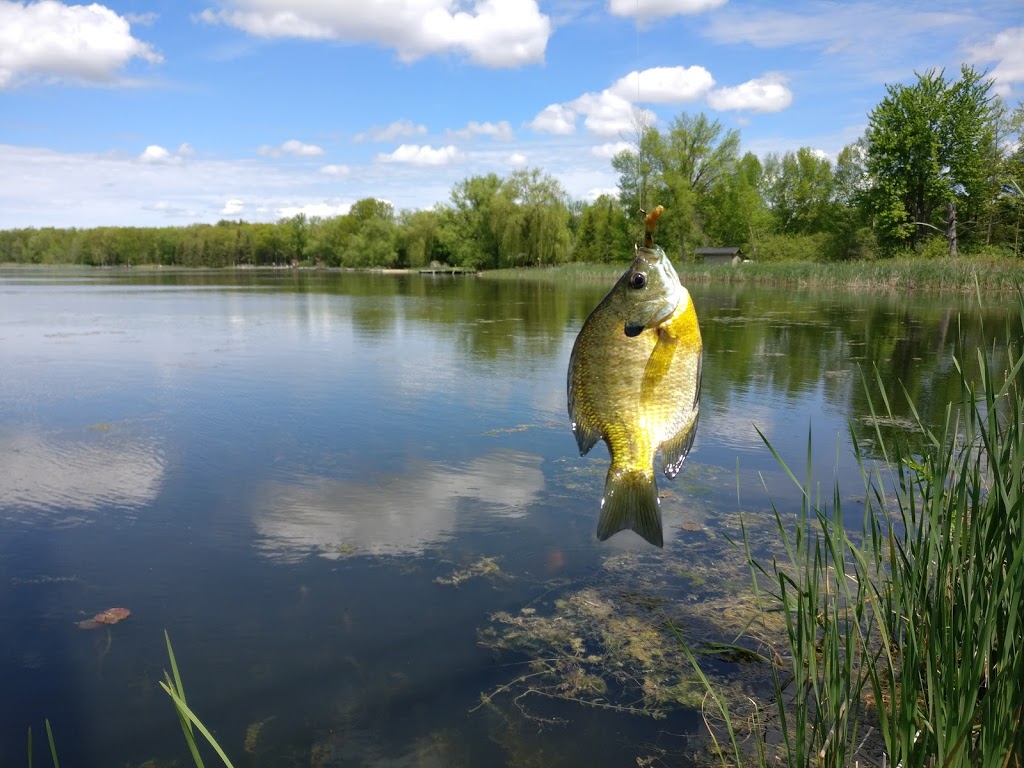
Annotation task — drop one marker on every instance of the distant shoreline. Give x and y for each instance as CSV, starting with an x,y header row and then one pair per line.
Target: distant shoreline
x,y
958,275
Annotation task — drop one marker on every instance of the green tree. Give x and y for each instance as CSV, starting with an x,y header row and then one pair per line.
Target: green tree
x,y
930,153
468,235
737,214
530,220
418,237
800,191
686,166
296,231
604,233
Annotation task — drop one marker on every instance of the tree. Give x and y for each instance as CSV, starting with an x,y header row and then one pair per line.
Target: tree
x,y
467,234
930,150
604,234
800,191
686,166
530,220
738,214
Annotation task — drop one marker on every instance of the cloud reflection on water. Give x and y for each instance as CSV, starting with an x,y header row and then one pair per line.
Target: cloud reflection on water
x,y
62,475
398,514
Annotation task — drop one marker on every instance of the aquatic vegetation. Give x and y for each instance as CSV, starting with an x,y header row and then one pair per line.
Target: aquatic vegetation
x,y
611,644
483,567
904,644
253,735
962,275
174,688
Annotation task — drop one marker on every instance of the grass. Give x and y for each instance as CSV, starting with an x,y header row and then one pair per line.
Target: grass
x,y
174,688
898,274
911,632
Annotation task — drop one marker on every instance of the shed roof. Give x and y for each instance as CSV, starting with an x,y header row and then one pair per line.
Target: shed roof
x,y
730,251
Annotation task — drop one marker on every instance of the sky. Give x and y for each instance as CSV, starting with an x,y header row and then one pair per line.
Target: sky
x,y
173,112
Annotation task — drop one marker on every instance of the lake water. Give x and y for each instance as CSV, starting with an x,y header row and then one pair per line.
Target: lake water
x,y
355,504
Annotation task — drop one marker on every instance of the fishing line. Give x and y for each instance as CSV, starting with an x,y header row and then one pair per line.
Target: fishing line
x,y
639,119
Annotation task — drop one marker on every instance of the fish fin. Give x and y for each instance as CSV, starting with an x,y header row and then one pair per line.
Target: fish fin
x,y
630,502
675,449
586,438
658,365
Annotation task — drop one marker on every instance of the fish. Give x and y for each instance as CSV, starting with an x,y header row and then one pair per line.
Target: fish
x,y
634,382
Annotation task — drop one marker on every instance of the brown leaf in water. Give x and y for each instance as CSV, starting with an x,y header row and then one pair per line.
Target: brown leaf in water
x,y
112,615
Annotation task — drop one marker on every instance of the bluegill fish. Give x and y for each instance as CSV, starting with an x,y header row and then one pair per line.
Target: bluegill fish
x,y
634,382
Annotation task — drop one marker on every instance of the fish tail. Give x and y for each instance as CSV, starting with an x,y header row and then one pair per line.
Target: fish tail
x,y
630,502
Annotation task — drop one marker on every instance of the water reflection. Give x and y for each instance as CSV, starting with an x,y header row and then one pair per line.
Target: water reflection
x,y
393,514
297,418
63,476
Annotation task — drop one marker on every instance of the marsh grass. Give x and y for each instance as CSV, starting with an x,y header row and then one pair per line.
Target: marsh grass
x,y
174,688
909,634
50,741
897,274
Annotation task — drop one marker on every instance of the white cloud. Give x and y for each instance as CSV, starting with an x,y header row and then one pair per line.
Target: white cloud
x,y
154,154
335,170
415,154
494,33
391,132
232,207
45,187
499,131
610,115
51,40
764,94
142,19
595,192
609,151
555,118
185,149
654,9
856,26
664,85
291,147
320,210
1007,50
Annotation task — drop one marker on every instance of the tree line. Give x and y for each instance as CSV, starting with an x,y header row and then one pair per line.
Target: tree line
x,y
940,170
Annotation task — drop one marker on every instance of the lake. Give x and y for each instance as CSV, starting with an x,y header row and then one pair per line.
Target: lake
x,y
355,504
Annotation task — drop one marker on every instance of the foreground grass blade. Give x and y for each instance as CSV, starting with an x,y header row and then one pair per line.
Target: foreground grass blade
x,y
174,688
53,746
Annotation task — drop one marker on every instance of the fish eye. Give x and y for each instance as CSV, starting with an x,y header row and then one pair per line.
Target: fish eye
x,y
637,280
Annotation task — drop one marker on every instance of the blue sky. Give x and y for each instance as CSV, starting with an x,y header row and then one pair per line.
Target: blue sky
x,y
170,112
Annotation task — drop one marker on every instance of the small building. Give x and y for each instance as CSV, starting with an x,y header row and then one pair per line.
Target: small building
x,y
712,256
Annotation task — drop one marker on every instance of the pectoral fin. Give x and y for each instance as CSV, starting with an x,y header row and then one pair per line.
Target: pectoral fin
x,y
658,365
675,449
586,438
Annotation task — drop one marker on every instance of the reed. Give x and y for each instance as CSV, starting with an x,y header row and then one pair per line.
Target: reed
x,y
913,628
898,274
174,688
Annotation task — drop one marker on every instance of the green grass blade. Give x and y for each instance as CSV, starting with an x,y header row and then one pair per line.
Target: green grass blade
x,y
184,710
53,746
